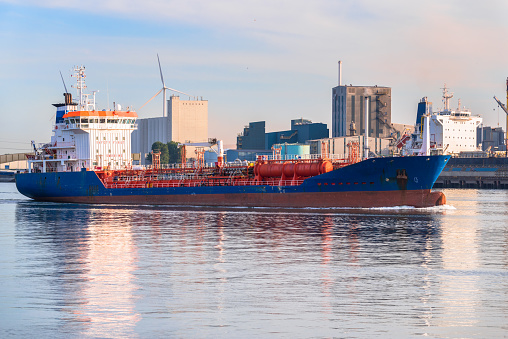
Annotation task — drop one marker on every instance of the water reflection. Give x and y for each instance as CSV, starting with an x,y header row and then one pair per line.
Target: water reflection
x,y
92,258
220,268
110,262
152,271
326,258
459,290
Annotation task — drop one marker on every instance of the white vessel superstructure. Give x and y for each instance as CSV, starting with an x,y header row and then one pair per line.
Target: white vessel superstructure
x,y
450,131
84,138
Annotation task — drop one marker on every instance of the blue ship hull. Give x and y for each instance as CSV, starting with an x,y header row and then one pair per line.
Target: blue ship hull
x,y
376,182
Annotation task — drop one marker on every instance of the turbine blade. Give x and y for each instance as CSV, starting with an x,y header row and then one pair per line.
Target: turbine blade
x,y
174,90
151,99
160,70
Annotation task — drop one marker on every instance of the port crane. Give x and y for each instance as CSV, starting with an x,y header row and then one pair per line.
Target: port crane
x,y
505,109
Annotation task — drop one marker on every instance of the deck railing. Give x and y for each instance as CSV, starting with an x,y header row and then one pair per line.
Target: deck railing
x,y
288,157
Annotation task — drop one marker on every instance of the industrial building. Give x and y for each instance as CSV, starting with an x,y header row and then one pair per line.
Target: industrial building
x,y
302,130
245,154
186,122
252,137
491,138
348,105
286,151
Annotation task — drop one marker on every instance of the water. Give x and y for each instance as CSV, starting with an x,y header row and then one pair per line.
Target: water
x,y
157,272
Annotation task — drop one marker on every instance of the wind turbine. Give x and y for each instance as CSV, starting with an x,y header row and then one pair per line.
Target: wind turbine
x,y
164,88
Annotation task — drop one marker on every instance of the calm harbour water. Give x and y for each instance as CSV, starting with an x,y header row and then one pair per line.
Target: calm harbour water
x,y
156,272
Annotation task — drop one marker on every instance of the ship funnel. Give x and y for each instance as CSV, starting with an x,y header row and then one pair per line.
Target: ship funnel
x,y
220,155
68,98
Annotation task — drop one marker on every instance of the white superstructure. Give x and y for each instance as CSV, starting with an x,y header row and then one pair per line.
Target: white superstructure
x,y
450,131
84,138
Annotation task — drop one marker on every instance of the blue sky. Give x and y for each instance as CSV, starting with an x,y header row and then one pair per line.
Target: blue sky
x,y
253,60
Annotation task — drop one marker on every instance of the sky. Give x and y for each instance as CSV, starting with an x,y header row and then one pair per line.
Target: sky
x,y
253,60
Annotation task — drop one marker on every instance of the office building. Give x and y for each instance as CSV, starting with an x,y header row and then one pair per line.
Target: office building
x,y
254,136
491,138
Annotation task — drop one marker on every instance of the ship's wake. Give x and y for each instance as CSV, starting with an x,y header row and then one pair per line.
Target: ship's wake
x,y
440,208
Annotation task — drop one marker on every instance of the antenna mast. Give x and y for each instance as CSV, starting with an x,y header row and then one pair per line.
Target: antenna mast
x,y
85,104
80,86
446,98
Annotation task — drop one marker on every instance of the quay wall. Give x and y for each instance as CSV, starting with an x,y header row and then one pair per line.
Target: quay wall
x,y
474,173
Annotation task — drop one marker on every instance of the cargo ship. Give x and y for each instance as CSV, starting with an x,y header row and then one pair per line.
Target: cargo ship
x,y
89,161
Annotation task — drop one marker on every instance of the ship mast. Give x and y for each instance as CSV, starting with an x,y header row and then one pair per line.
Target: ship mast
x,y
85,104
446,98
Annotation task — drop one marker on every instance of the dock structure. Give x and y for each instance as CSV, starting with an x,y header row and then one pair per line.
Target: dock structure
x,y
474,173
6,158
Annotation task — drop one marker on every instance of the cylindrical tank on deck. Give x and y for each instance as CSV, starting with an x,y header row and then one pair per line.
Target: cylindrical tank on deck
x,y
302,169
305,169
289,169
271,170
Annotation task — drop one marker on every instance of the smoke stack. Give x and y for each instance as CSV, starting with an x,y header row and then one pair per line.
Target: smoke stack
x,y
68,98
340,73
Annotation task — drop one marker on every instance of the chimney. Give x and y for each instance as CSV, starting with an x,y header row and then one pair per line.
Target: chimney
x,y
340,73
68,98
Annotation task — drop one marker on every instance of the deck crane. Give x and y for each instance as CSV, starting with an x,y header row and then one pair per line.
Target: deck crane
x,y
505,109
211,142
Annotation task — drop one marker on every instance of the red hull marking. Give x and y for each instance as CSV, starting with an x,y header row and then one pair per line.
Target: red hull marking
x,y
416,198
